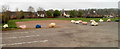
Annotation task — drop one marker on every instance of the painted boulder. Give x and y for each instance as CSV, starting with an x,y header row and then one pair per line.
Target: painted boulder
x,y
72,21
109,20
38,26
84,23
101,20
51,25
92,20
5,26
80,21
117,20
77,22
22,26
94,23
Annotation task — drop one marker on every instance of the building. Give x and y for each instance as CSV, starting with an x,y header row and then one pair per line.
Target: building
x,y
41,14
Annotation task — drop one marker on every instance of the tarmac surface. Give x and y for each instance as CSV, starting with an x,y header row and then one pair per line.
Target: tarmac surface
x,y
65,34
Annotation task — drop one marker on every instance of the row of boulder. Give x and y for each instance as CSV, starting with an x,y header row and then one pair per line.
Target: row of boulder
x,y
51,25
92,22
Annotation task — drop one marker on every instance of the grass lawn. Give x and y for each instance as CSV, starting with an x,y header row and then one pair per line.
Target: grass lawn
x,y
12,24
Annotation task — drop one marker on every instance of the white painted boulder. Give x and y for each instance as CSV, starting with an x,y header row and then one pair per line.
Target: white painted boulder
x,y
5,26
77,22
101,20
92,20
94,23
72,21
109,20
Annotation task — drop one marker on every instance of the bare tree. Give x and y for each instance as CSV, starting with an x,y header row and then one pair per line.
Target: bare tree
x,y
5,13
5,8
31,9
40,9
17,9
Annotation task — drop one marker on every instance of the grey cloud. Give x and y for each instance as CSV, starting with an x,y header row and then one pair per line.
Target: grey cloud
x,y
60,4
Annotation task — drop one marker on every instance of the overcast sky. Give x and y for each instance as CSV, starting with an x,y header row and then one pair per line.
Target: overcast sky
x,y
59,4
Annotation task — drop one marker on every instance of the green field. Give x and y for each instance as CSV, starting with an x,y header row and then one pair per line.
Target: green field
x,y
12,24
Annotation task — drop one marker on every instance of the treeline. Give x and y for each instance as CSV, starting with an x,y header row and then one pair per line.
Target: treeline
x,y
41,13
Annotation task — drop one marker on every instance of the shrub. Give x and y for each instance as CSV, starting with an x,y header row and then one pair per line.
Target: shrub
x,y
49,14
56,13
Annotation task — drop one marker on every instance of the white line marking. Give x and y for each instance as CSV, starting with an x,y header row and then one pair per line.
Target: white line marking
x,y
2,44
20,37
14,32
43,41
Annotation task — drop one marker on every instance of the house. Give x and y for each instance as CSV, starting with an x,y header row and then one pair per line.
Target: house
x,y
64,14
41,14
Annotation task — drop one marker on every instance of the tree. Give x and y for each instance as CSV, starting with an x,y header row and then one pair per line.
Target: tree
x,y
20,14
40,9
5,17
31,9
5,8
73,13
56,13
119,12
17,13
92,11
49,13
80,13
5,14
